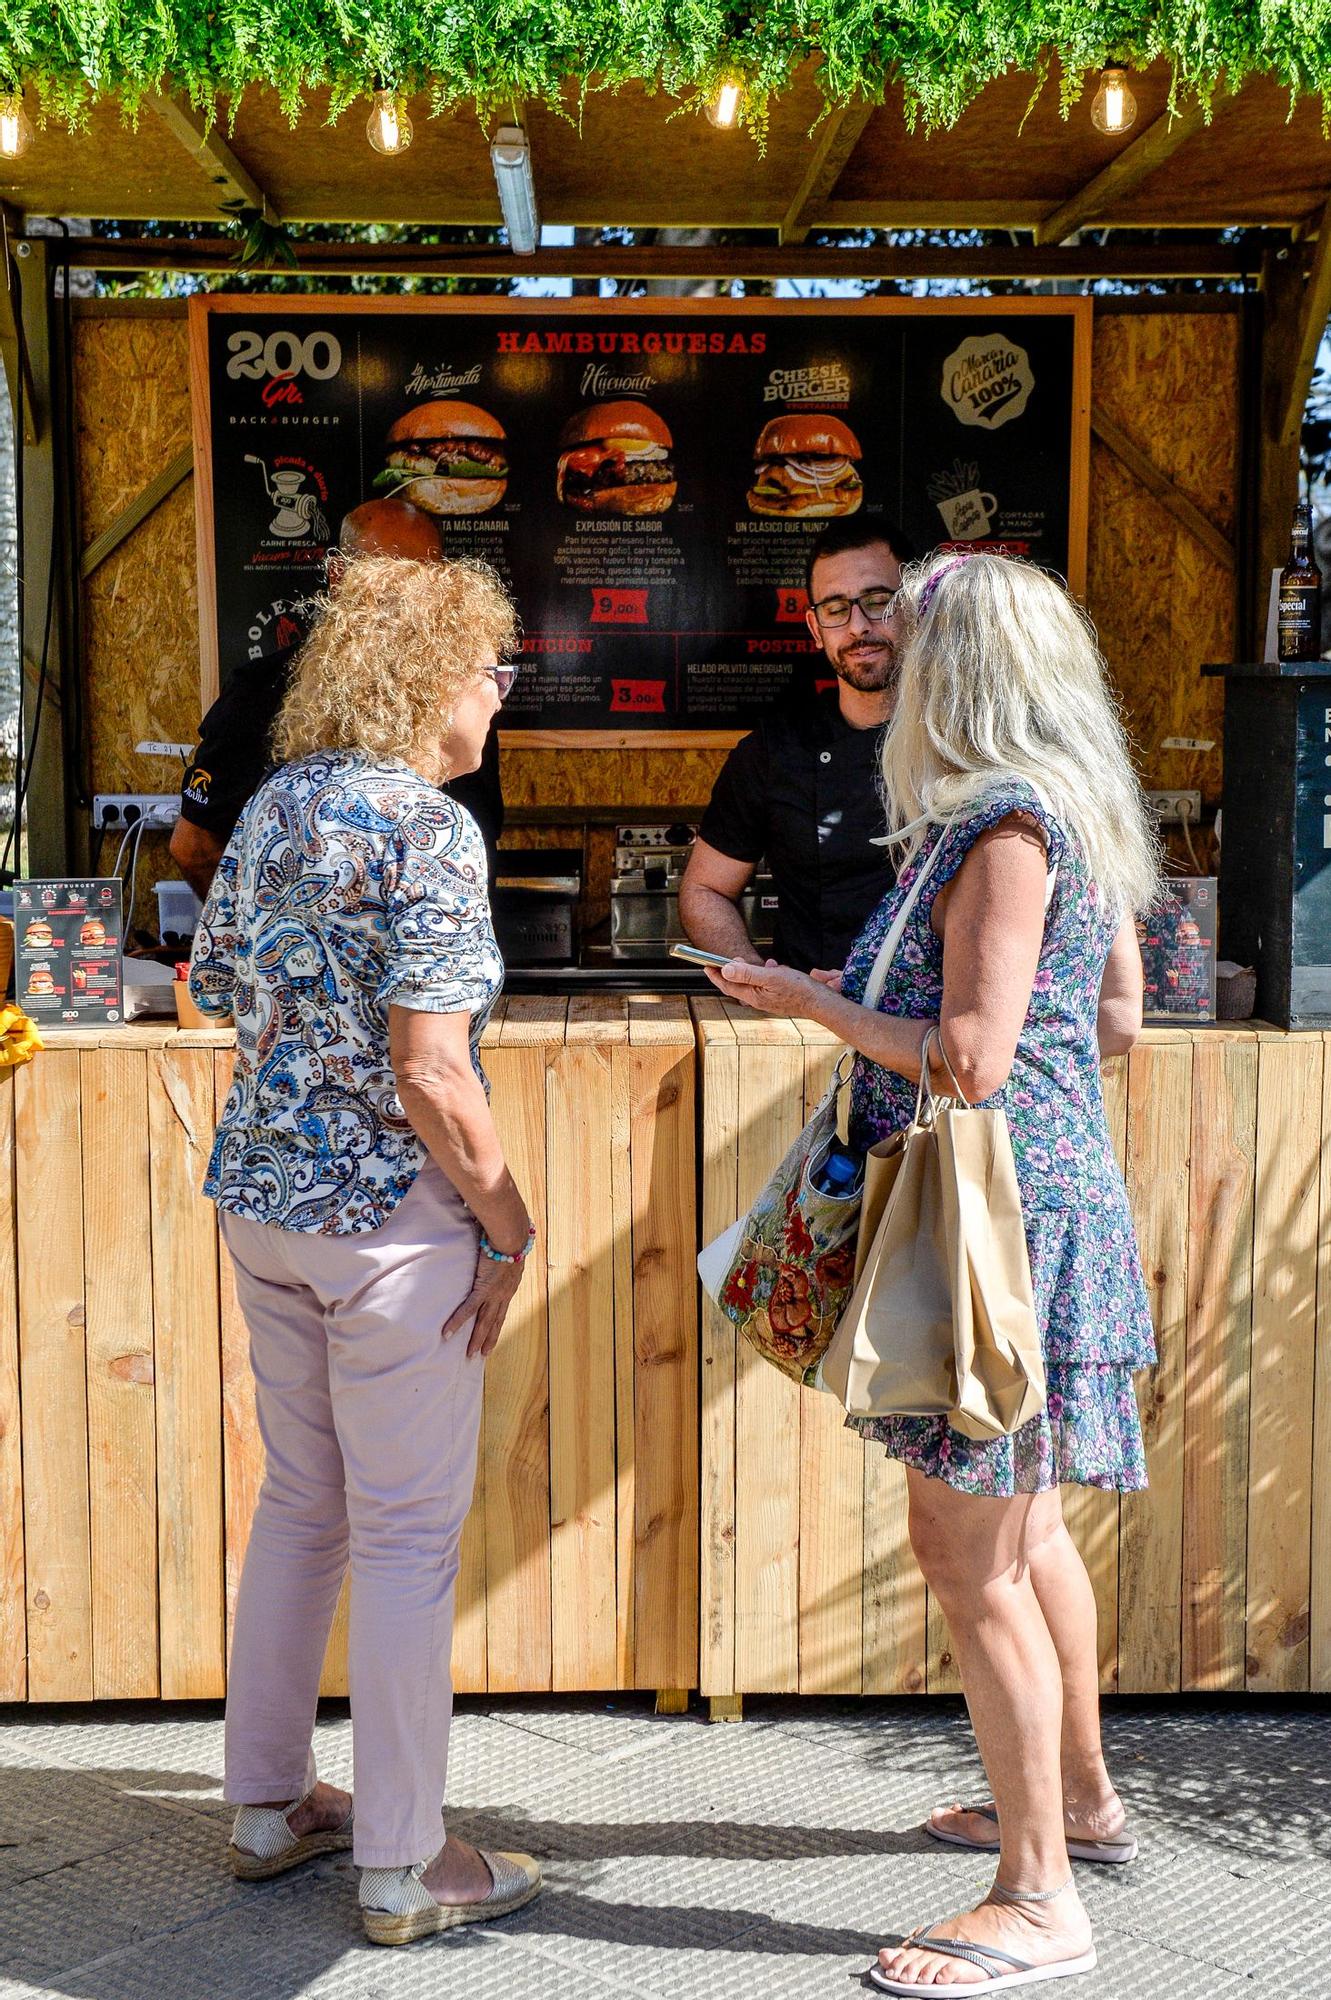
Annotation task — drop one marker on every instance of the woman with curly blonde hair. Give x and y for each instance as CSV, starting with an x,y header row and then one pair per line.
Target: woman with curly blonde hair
x,y
1007,779
376,1234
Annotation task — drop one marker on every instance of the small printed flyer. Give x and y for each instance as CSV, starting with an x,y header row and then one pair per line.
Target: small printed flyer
x,y
68,951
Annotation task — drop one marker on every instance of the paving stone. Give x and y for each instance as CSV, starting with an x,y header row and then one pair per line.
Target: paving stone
x,y
684,1862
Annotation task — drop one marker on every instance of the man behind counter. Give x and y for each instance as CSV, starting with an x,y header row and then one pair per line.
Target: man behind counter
x,y
803,788
232,758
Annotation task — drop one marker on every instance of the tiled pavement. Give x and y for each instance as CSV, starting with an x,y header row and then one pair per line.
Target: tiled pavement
x,y
683,1861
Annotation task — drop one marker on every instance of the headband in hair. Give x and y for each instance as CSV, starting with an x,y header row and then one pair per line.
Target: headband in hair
x,y
953,562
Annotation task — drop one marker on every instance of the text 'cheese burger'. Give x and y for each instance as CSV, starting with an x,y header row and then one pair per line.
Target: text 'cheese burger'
x,y
447,457
806,466
615,459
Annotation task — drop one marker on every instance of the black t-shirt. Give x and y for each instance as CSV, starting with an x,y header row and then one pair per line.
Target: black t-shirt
x,y
234,757
803,791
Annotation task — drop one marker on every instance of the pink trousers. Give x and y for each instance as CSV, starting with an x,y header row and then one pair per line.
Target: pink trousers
x,y
369,1422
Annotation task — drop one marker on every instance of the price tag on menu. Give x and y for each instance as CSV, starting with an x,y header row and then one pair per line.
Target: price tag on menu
x,y
68,952
791,606
619,607
637,697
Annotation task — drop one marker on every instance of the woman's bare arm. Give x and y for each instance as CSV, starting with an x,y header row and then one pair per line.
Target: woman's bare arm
x,y
1119,1016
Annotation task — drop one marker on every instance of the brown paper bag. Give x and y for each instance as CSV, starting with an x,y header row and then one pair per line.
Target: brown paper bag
x,y
942,1318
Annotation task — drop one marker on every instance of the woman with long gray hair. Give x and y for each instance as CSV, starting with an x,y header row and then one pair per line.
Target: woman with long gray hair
x,y
1007,768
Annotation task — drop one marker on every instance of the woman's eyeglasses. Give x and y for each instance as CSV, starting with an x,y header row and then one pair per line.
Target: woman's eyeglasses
x,y
503,678
875,604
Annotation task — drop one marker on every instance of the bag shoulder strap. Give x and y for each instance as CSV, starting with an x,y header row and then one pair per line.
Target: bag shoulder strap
x,y
887,950
882,965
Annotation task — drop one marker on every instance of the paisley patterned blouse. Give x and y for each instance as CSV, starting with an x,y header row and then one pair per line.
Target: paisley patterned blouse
x,y
347,886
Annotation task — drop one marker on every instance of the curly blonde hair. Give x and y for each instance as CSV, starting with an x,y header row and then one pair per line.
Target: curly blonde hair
x,y
391,649
1001,677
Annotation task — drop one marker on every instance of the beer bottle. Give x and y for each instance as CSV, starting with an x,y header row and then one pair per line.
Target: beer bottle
x,y
1299,614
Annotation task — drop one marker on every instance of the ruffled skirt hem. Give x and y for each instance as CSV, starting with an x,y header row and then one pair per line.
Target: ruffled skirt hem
x,y
1088,1434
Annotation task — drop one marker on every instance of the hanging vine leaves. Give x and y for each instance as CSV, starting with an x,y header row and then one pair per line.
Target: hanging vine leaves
x,y
942,53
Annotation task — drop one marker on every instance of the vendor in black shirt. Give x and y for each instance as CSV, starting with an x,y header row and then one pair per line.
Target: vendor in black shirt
x,y
802,790
233,758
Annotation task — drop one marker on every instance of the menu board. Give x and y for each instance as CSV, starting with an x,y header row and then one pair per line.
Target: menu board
x,y
646,476
67,952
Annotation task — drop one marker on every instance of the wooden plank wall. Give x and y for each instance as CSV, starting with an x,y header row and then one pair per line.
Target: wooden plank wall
x,y
130,1463
1219,1579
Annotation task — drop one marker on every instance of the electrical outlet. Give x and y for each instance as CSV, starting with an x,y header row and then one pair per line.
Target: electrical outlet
x,y
1174,808
117,810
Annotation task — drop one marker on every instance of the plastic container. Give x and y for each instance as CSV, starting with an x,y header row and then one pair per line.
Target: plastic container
x,y
178,911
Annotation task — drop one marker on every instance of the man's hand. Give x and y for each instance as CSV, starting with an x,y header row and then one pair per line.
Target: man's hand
x,y
488,1302
832,979
768,989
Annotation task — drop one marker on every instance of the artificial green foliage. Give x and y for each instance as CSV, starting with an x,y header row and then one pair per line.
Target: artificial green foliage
x,y
66,53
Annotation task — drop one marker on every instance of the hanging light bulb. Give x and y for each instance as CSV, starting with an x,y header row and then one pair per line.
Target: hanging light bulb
x,y
1115,107
724,105
15,125
388,128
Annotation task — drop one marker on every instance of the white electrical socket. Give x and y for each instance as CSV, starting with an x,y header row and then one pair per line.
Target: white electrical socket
x,y
112,810
1174,808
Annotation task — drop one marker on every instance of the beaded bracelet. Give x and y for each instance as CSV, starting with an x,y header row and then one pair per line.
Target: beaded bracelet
x,y
487,1248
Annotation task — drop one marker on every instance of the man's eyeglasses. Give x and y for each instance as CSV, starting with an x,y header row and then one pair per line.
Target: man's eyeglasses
x,y
875,604
503,678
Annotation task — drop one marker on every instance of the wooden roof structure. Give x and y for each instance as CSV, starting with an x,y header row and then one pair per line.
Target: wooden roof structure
x,y
633,158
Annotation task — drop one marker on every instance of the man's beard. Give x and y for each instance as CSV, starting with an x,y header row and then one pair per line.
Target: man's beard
x,y
871,672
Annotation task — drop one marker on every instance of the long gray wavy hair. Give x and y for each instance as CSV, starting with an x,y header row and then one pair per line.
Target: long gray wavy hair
x,y
1001,676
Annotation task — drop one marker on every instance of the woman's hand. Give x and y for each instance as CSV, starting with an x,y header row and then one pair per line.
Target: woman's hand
x,y
489,1299
768,989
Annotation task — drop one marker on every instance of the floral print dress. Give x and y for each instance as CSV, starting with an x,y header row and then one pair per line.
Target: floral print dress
x,y
1090,1296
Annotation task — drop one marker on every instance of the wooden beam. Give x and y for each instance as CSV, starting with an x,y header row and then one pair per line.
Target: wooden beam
x,y
837,141
763,260
1171,497
139,508
1315,310
13,346
206,144
1133,165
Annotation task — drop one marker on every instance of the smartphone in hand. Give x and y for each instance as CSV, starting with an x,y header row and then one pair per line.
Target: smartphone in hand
x,y
692,954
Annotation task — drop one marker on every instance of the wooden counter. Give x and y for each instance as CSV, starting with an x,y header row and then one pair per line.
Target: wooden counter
x,y
130,1463
1220,1577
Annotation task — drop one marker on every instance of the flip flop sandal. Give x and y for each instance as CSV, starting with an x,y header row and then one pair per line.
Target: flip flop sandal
x,y
1115,1852
991,1963
397,1908
263,1845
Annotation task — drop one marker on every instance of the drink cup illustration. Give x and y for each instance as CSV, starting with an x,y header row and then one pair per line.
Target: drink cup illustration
x,y
968,515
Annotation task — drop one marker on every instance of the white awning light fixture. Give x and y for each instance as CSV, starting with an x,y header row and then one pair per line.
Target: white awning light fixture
x,y
1115,107
510,155
388,128
725,103
15,126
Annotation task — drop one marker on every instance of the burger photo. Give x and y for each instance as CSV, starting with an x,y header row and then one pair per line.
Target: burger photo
x,y
447,457
92,931
806,467
614,458
38,934
40,981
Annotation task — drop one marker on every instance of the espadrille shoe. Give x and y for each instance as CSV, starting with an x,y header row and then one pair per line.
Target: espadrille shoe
x,y
263,1845
397,1908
